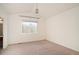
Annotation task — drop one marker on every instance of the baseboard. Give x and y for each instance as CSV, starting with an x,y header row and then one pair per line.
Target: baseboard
x,y
26,42
63,45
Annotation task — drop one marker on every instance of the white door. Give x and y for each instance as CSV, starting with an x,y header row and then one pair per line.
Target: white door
x,y
5,33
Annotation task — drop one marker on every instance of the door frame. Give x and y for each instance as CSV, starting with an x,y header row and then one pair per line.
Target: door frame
x,y
5,33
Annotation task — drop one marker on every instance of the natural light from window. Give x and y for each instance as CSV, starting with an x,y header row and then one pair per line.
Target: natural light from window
x,y
29,27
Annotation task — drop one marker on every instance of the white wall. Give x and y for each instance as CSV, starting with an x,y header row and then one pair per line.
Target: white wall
x,y
15,30
63,29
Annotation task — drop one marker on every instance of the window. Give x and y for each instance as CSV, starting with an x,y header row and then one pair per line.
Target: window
x,y
29,27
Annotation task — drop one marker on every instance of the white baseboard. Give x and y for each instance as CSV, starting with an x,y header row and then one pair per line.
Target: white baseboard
x,y
64,45
25,41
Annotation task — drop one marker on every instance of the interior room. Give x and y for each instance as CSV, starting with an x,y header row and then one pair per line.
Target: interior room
x,y
39,28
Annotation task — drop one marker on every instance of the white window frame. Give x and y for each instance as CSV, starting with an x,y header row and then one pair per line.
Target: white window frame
x,y
30,32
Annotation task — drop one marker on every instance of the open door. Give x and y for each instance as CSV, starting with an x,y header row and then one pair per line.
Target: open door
x,y
3,33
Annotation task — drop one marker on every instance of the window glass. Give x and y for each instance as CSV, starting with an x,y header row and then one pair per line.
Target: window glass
x,y
29,27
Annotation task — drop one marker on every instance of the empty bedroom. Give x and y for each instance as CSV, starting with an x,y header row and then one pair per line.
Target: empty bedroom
x,y
39,28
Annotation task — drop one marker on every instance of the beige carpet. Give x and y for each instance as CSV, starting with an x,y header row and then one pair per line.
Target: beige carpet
x,y
42,47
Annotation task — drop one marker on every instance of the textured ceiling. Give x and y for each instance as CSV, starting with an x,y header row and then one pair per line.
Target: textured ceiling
x,y
45,9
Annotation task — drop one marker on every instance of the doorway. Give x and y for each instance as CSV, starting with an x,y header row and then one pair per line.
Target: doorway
x,y
1,33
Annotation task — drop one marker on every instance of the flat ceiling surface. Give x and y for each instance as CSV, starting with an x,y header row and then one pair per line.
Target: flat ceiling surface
x,y
45,9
